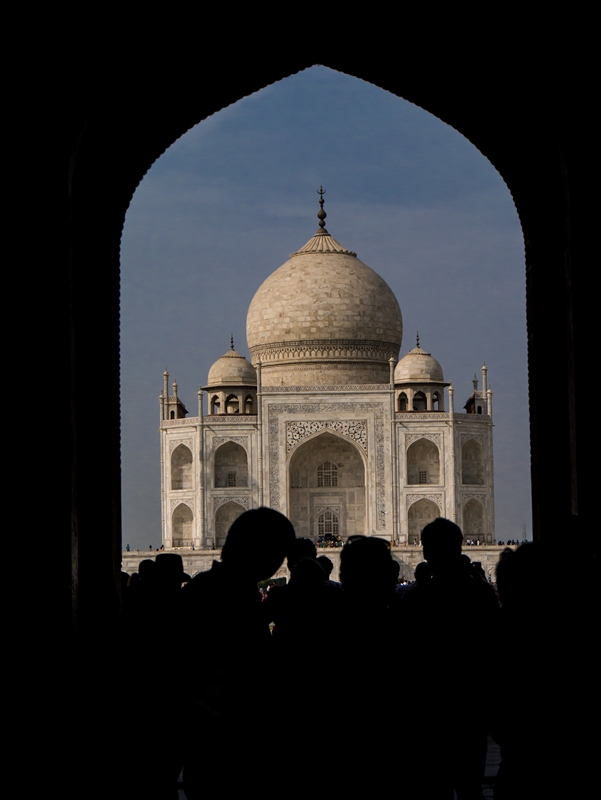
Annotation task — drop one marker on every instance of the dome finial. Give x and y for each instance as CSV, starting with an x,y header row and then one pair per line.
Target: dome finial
x,y
321,214
417,339
231,341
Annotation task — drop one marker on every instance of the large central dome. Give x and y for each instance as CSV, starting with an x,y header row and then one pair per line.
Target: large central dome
x,y
324,317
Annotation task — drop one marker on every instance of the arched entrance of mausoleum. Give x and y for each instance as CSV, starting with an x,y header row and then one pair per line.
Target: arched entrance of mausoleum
x,y
327,492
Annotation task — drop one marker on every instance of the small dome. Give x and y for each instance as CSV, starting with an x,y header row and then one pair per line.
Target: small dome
x,y
232,369
418,367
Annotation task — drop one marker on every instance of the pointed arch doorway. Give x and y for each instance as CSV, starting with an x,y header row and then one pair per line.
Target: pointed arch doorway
x,y
327,489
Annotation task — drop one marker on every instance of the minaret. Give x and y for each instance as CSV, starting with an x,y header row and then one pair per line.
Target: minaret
x,y
165,394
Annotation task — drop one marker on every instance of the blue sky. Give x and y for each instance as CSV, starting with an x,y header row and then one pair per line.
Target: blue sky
x,y
229,201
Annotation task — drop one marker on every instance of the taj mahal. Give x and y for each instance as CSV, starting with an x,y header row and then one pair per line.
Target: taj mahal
x,y
324,422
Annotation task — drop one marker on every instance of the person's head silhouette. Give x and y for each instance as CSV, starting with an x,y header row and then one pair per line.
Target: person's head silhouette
x,y
441,540
257,543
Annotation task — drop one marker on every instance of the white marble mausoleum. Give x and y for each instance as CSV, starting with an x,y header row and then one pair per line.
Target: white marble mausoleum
x,y
324,423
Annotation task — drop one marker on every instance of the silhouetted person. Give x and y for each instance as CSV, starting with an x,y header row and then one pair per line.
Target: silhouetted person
x,y
450,620
546,722
368,654
225,659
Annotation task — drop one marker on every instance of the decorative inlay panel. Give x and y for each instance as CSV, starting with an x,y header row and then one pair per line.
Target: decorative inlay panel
x,y
176,443
169,423
436,438
228,419
465,498
241,440
320,349
435,498
465,437
243,500
334,509
275,411
355,430
337,387
410,416
187,501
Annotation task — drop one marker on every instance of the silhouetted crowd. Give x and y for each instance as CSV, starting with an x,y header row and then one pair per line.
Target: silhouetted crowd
x,y
298,688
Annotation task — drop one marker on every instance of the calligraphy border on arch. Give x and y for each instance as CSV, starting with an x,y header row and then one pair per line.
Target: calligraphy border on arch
x,y
465,437
275,410
186,501
173,443
221,500
353,429
465,498
435,438
217,441
438,498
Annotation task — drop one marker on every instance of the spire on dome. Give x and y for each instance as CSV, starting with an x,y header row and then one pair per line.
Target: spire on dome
x,y
322,242
231,341
321,214
417,339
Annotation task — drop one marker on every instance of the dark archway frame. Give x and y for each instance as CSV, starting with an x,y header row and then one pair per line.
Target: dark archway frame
x,y
116,124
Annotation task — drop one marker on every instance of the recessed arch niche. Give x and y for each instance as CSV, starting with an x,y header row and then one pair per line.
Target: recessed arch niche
x,y
420,514
231,465
182,526
472,463
225,516
181,468
423,463
473,522
308,499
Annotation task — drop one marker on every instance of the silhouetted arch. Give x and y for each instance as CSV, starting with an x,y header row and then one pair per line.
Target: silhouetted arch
x,y
402,402
248,404
224,518
231,465
420,514
182,528
181,468
214,405
423,463
472,463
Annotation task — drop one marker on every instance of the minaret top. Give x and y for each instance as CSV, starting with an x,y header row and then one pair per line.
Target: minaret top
x,y
321,214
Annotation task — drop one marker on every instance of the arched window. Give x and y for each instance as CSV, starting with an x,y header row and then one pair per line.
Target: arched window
x,y
172,415
420,514
473,522
225,516
182,526
436,402
402,402
215,405
248,404
419,401
181,468
328,523
423,462
472,463
231,465
327,474
232,404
